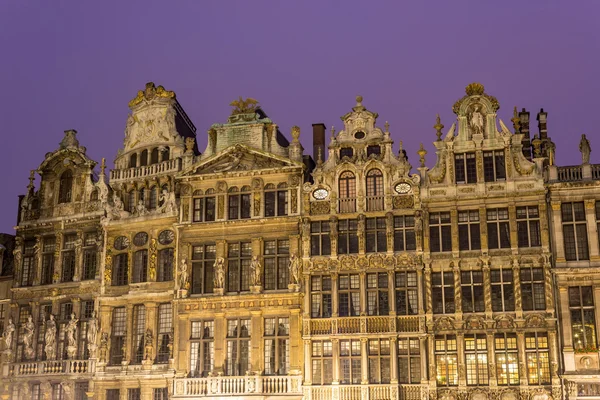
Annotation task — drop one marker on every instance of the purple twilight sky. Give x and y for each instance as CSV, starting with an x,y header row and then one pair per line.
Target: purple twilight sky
x,y
76,64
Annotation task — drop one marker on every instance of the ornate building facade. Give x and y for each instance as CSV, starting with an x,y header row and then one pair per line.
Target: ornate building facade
x,y
249,270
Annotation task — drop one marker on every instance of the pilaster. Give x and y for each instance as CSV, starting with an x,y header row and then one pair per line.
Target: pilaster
x,y
592,231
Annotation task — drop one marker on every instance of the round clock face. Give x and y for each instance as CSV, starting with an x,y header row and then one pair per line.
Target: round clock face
x,y
320,194
402,188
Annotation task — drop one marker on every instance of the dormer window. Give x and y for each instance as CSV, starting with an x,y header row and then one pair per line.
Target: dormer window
x,y
66,187
373,149
465,167
346,152
493,166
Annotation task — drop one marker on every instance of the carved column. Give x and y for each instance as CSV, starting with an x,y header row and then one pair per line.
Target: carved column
x,y
552,343
335,346
479,160
152,260
592,232
428,300
333,235
454,230
78,256
493,382
514,234
548,287
522,358
307,362
460,349
457,290
394,360
558,233
420,298
487,289
432,364
361,233
334,295
517,287
389,232
56,276
364,361
483,229
37,277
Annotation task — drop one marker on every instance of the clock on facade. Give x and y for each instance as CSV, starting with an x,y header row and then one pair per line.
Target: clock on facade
x,y
320,194
402,188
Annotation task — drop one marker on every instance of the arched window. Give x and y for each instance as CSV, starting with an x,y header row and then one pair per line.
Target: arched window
x,y
374,190
66,187
143,195
94,195
144,158
130,201
166,154
154,156
347,192
133,160
153,198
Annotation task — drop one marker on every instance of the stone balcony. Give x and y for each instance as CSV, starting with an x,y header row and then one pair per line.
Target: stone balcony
x,y
165,167
49,368
352,325
363,392
574,173
218,387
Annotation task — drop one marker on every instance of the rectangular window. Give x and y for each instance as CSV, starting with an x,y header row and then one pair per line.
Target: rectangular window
x,y
538,365
28,263
404,233
2,317
471,283
276,203
465,167
379,361
409,360
320,296
440,232
322,362
376,235
277,346
165,327
90,256
583,322
493,166
476,359
446,360
377,294
239,206
320,239
86,313
24,314
503,294
533,289
349,295
498,228
238,347
203,259
238,266
348,236
63,319
204,209
407,302
68,258
48,246
80,389
160,394
133,394
119,320
442,292
202,348
113,394
165,265
140,266
350,362
574,231
528,226
120,270
139,328
598,219
507,358
45,311
468,230
277,260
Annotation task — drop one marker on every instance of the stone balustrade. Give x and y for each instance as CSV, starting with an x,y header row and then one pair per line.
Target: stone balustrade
x,y
55,367
375,203
574,173
237,385
347,205
372,324
363,392
164,167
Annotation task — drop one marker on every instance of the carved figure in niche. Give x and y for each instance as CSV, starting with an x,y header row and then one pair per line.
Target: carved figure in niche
x,y
28,337
585,149
236,159
255,271
219,268
168,202
103,346
305,229
419,225
92,330
141,208
70,330
294,270
183,274
477,120
67,390
50,338
148,347
8,333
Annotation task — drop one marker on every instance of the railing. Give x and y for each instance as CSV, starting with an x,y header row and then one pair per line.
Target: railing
x,y
347,205
375,203
371,324
595,171
574,173
173,165
73,367
237,385
363,392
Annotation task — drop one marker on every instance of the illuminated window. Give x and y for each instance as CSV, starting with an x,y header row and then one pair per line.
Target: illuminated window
x,y
476,359
379,361
350,362
277,346
202,348
538,365
583,322
320,296
446,360
574,231
507,358
322,362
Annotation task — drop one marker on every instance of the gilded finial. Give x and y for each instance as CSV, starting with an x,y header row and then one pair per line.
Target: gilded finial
x,y
151,92
516,121
244,106
102,166
474,88
387,127
359,100
422,152
295,133
438,127
189,144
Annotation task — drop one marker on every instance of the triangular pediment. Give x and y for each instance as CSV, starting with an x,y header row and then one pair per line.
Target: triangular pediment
x,y
238,158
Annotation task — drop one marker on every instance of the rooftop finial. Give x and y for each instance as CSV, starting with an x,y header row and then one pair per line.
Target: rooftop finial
x,y
31,179
387,127
421,154
516,120
102,166
241,106
359,100
295,133
438,127
332,132
151,92
474,88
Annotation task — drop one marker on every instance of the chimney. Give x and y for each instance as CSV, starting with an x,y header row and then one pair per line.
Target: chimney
x,y
541,118
524,121
319,141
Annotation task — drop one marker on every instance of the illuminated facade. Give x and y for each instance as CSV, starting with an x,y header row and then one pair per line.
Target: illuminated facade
x,y
250,271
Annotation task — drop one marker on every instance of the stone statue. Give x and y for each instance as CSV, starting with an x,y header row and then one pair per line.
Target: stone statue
x,y
477,121
103,346
255,271
551,152
148,345
70,329
8,333
219,267
236,159
50,338
29,329
168,202
294,270
585,149
305,228
140,209
92,330
67,390
183,275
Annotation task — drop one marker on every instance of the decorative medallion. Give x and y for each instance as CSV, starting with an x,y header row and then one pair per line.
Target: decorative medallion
x,y
359,135
166,237
320,194
402,188
140,239
121,243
